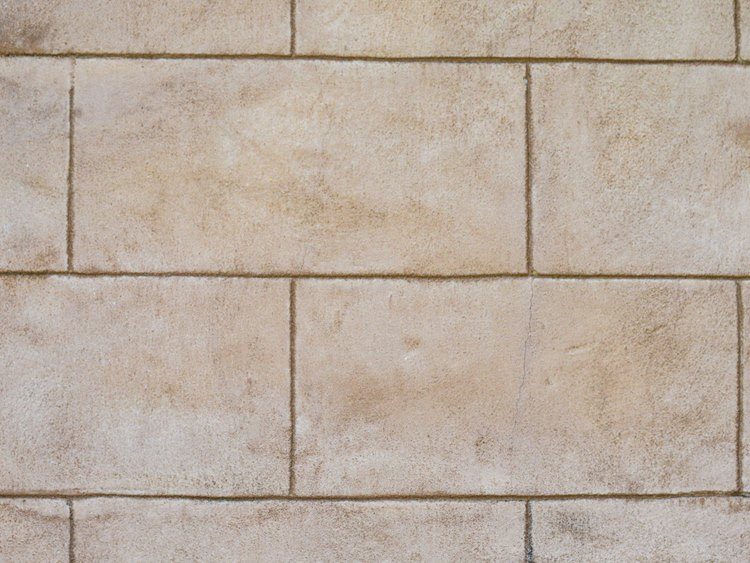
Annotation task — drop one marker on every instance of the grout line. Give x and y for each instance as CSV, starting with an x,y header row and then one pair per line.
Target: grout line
x,y
375,276
737,31
69,232
365,58
71,533
391,497
529,234
528,546
293,27
740,385
292,382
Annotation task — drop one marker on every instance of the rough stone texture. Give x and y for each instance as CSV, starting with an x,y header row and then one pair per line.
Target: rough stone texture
x,y
33,530
746,386
150,385
641,169
33,163
507,387
127,530
362,416
668,29
145,26
745,29
299,166
690,529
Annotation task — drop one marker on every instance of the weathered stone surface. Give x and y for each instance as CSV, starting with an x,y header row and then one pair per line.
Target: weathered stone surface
x,y
746,387
159,530
669,29
688,529
641,169
507,387
33,163
299,166
167,26
156,385
33,530
745,29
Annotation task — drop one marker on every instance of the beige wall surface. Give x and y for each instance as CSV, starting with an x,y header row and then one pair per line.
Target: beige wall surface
x,y
333,280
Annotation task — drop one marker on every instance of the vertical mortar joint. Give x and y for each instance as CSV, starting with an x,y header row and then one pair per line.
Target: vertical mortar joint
x,y
740,386
528,546
71,532
69,198
292,382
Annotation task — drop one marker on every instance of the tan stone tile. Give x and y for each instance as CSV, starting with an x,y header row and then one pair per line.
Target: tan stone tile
x,y
489,387
171,26
688,529
641,169
299,166
124,530
156,385
33,530
518,28
33,163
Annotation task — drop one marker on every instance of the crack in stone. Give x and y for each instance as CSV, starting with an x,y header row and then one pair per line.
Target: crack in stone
x,y
519,394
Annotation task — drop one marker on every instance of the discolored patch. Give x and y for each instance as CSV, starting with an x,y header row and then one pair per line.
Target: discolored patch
x,y
156,385
299,167
33,163
584,387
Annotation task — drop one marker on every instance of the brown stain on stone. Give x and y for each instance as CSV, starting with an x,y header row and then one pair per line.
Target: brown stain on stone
x,y
22,510
23,36
741,133
412,343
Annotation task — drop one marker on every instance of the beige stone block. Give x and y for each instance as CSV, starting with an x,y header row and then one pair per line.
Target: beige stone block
x,y
160,530
669,29
299,166
171,26
144,385
687,529
504,387
33,530
33,163
641,169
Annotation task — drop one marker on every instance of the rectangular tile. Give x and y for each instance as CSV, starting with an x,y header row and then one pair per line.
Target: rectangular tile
x,y
33,163
161,530
504,387
171,26
641,169
155,385
299,166
669,29
33,530
688,529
